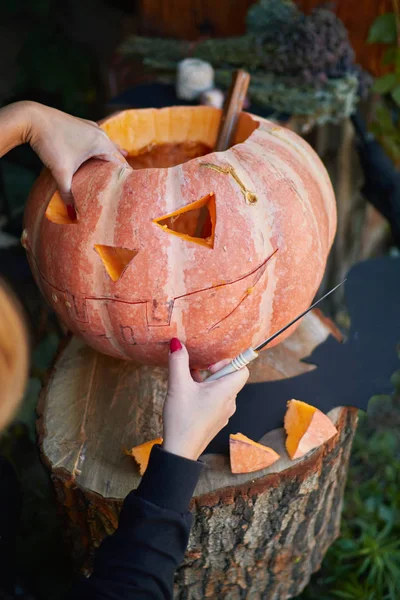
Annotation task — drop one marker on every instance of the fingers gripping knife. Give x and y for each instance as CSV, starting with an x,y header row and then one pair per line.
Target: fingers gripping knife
x,y
244,358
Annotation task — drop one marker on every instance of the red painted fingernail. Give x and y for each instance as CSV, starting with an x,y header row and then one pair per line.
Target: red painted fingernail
x,y
175,345
71,212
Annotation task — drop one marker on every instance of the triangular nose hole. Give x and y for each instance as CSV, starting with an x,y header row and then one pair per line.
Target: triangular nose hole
x,y
193,223
115,259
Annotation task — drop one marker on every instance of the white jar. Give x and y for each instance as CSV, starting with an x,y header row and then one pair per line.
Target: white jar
x,y
214,97
194,76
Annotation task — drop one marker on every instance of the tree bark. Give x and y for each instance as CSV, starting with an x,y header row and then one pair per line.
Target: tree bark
x,y
265,538
254,536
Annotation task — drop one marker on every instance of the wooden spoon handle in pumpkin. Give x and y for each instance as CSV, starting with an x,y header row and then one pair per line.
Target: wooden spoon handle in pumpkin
x,y
230,115
232,108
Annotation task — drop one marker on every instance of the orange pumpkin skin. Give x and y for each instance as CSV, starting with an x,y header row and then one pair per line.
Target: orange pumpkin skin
x,y
261,266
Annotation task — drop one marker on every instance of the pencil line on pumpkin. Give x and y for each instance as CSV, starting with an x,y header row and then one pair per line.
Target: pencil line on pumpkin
x,y
217,324
108,298
234,281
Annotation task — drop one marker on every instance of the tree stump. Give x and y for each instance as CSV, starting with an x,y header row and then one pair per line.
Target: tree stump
x,y
255,536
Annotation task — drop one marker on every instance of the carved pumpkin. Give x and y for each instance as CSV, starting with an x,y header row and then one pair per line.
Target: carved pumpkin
x,y
217,249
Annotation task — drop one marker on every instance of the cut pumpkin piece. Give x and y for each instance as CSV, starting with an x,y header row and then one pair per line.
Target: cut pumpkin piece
x,y
141,453
58,212
194,222
306,428
115,259
247,456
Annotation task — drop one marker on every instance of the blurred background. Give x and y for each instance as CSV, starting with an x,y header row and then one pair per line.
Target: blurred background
x,y
330,72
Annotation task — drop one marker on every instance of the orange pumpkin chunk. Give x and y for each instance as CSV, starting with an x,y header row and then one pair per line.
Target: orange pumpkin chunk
x,y
141,453
115,260
57,212
194,222
306,428
248,456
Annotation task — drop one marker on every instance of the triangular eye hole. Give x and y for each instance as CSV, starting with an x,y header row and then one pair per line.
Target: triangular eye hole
x,y
60,213
194,222
115,260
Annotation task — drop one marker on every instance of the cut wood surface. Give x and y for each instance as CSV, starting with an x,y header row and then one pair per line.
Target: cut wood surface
x,y
258,535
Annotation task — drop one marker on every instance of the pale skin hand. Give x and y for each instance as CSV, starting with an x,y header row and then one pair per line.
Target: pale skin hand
x,y
62,142
195,412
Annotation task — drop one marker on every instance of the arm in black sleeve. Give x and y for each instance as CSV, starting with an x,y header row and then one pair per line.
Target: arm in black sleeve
x,y
139,560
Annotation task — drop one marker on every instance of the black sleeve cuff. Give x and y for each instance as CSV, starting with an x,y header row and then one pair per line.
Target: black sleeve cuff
x,y
169,480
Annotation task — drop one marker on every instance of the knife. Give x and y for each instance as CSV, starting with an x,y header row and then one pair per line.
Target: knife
x,y
246,357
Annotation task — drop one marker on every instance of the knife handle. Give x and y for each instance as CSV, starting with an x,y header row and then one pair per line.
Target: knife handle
x,y
236,364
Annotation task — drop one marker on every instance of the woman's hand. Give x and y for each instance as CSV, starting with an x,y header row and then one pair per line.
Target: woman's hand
x,y
64,142
195,412
61,141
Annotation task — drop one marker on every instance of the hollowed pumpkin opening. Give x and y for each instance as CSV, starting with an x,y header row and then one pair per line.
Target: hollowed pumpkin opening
x,y
60,213
115,260
170,136
194,222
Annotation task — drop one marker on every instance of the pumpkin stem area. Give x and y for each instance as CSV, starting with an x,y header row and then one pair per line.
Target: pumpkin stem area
x,y
194,222
115,260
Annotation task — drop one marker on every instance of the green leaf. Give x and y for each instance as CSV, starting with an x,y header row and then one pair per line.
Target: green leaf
x,y
392,148
44,352
396,95
390,54
383,30
395,379
386,83
41,7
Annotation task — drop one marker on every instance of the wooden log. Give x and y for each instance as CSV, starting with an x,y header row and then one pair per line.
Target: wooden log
x,y
258,535
191,19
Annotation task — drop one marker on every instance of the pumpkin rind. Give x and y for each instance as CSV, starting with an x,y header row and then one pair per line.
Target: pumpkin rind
x,y
306,428
141,453
276,247
248,456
